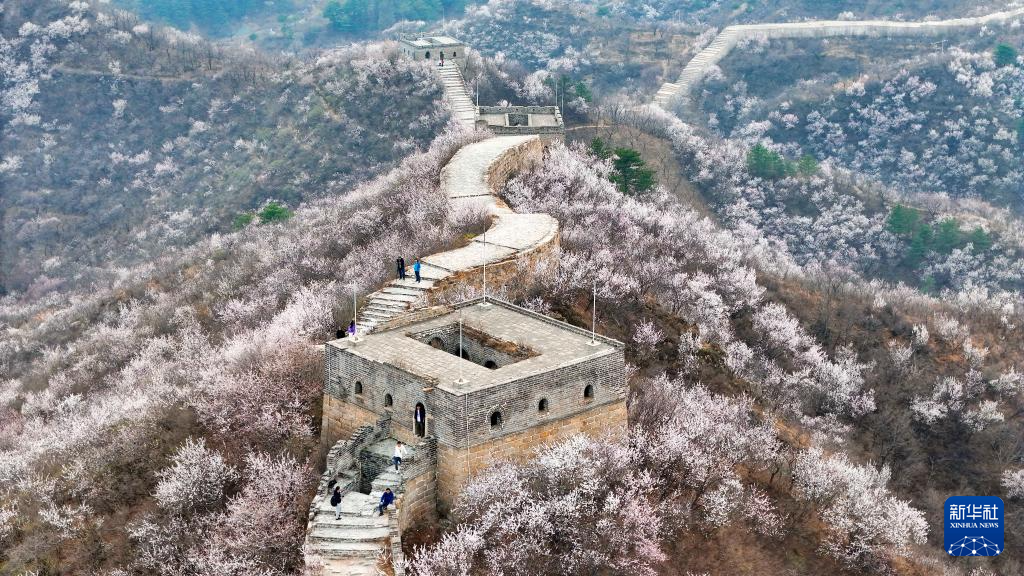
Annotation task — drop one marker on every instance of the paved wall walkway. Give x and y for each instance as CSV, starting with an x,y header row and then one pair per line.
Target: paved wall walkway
x,y
465,181
720,47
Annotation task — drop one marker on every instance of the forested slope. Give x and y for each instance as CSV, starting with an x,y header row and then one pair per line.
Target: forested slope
x,y
123,141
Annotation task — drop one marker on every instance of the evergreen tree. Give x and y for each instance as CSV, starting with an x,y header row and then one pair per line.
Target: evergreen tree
x,y
599,148
274,212
764,163
632,174
920,245
947,236
980,239
807,166
903,221
1005,55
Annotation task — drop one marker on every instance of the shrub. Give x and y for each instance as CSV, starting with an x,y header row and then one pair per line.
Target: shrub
x,y
274,212
1005,55
242,220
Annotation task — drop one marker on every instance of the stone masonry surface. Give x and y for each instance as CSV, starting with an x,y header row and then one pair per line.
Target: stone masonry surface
x,y
728,38
389,373
458,96
455,466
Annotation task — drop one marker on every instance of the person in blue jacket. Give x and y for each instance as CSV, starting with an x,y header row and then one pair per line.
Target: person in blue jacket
x,y
385,500
416,269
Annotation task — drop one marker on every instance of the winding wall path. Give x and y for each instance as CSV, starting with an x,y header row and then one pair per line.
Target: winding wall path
x,y
356,542
720,47
471,178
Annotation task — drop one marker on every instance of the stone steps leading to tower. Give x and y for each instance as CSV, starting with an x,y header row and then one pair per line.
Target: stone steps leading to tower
x,y
457,94
352,543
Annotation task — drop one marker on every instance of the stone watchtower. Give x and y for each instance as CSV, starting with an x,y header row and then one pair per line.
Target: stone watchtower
x,y
433,47
523,379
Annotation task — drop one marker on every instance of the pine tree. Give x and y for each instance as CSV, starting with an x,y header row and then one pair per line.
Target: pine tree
x,y
947,236
1005,55
763,163
632,174
903,221
599,148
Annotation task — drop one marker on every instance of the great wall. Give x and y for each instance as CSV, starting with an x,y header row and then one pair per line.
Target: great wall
x,y
680,91
361,441
359,542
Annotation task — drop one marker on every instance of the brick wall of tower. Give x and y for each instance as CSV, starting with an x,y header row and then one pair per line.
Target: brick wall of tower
x,y
341,419
518,402
344,410
461,420
418,502
455,465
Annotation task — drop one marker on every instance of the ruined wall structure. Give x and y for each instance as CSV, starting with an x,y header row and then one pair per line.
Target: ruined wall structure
x,y
679,92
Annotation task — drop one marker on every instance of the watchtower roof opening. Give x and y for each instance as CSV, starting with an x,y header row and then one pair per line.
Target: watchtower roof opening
x,y
520,343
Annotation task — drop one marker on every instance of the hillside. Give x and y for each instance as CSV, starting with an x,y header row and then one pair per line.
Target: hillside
x,y
816,271
169,138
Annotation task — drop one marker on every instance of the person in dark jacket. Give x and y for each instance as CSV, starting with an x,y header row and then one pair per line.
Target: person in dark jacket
x,y
400,264
416,269
385,500
336,502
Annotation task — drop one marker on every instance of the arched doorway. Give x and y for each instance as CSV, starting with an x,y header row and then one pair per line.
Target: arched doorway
x,y
420,420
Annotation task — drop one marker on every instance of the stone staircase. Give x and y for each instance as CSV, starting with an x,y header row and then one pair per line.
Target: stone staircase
x,y
458,96
351,545
354,544
397,297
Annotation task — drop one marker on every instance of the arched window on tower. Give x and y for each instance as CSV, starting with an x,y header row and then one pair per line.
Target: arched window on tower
x,y
359,387
495,419
388,400
588,392
542,406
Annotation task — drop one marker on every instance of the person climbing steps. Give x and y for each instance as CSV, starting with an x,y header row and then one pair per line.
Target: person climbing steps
x,y
399,454
385,500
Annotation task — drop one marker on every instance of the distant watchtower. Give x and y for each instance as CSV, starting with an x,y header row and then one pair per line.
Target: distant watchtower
x,y
523,379
433,48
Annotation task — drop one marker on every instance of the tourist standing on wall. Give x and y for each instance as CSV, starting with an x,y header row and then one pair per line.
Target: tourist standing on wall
x,y
336,502
352,328
399,454
400,265
416,269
